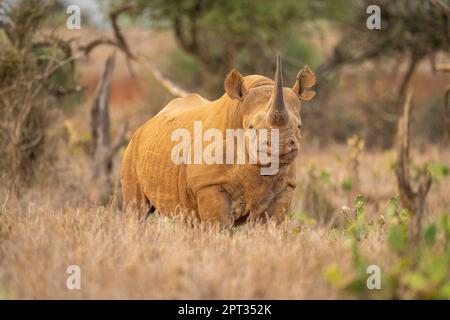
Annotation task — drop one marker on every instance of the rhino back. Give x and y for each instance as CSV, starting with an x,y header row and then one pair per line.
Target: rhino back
x,y
180,105
162,181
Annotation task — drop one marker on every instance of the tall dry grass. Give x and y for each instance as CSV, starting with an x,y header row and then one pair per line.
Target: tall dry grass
x,y
119,257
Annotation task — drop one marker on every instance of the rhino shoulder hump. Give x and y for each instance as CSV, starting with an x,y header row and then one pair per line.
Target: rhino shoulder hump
x,y
182,104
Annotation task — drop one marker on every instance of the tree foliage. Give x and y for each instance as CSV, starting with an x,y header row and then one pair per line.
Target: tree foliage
x,y
223,34
409,29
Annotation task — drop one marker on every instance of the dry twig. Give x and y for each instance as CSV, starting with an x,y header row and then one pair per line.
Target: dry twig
x,y
412,200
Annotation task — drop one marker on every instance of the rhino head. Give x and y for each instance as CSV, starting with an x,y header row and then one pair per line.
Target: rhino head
x,y
267,104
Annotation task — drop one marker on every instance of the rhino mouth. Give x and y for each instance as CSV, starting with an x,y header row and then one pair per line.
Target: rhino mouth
x,y
283,159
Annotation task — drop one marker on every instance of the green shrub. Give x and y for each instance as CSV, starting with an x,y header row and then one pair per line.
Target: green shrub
x,y
34,78
418,271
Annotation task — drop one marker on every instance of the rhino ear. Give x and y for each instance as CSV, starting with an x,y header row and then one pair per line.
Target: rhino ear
x,y
305,80
234,85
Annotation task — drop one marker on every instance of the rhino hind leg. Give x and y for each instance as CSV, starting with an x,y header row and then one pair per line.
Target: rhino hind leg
x,y
133,197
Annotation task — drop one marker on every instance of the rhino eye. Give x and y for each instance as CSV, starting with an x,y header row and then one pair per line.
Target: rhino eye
x,y
299,126
250,126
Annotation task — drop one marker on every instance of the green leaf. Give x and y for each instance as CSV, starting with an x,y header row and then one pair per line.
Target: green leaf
x,y
438,171
416,281
404,216
439,268
392,207
398,237
305,218
334,275
359,206
430,235
444,292
444,222
325,176
347,185
6,294
357,286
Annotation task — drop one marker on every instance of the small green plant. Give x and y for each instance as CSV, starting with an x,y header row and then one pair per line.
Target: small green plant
x,y
304,218
316,188
394,215
390,156
347,184
357,227
438,171
419,270
422,271
355,146
356,230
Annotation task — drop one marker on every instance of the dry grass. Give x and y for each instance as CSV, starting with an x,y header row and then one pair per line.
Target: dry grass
x,y
122,258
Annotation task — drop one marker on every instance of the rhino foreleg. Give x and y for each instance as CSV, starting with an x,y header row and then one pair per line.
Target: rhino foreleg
x,y
279,207
151,209
214,206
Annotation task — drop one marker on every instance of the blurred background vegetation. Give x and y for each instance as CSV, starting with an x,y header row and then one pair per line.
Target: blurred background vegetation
x,y
362,74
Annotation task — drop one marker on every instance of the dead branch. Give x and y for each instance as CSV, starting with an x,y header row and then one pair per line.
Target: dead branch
x,y
119,143
442,67
87,48
168,84
407,77
447,111
412,200
119,40
103,150
445,67
442,5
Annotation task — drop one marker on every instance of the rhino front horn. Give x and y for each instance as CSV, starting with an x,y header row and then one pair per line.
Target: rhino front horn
x,y
278,114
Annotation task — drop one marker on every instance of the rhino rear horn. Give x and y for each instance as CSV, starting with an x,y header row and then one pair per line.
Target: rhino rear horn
x,y
278,114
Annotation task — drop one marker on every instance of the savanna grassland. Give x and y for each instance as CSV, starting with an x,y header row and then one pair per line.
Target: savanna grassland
x,y
346,214
121,257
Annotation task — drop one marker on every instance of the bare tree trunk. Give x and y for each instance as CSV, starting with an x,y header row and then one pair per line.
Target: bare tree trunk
x,y
103,149
412,200
445,68
447,113
406,81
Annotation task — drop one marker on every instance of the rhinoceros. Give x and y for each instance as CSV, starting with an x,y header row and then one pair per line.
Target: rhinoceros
x,y
220,193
